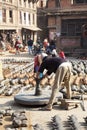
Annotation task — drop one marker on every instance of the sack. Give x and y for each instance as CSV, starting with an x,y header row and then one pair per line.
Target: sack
x,y
20,46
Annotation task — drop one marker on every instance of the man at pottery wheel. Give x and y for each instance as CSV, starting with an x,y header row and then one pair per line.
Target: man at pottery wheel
x,y
62,69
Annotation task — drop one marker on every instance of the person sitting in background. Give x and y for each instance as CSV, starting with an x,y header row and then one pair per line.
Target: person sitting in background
x,y
61,54
17,46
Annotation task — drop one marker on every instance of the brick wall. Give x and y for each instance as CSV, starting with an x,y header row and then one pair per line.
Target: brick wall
x,y
51,4
51,21
68,4
70,42
65,3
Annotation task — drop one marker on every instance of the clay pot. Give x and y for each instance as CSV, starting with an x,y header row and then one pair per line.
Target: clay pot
x,y
44,81
12,51
26,82
17,74
22,75
31,80
33,83
30,74
7,75
51,81
85,80
78,80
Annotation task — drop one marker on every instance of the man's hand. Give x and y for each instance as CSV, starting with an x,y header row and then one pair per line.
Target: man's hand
x,y
39,76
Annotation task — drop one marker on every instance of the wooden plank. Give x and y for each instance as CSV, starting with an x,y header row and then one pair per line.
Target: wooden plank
x,y
70,100
69,104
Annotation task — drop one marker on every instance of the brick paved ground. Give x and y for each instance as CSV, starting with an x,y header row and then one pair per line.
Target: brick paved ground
x,y
35,115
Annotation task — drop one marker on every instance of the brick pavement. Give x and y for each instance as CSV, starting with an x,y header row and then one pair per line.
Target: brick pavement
x,y
35,115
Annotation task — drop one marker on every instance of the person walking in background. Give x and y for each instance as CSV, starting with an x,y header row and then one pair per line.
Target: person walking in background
x,y
30,44
62,70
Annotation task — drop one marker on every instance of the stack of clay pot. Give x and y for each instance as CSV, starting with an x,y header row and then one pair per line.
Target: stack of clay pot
x,y
7,73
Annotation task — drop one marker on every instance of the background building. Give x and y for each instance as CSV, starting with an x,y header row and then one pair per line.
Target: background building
x,y
66,20
18,18
42,19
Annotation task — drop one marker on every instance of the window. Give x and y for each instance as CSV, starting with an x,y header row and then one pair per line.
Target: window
x,y
3,0
10,16
72,27
29,18
33,3
24,18
4,15
28,3
19,2
80,1
20,17
64,28
25,3
10,1
41,3
33,19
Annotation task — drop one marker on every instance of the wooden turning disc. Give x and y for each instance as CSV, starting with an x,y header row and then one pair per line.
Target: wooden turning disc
x,y
32,100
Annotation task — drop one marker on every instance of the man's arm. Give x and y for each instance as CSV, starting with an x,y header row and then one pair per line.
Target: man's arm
x,y
40,75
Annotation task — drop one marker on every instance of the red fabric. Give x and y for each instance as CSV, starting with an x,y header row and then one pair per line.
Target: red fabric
x,y
17,44
36,63
45,44
62,55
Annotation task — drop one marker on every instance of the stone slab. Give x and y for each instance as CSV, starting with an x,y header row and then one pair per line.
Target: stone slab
x,y
32,100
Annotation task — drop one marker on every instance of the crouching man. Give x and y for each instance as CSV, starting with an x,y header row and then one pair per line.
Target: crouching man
x,y
62,69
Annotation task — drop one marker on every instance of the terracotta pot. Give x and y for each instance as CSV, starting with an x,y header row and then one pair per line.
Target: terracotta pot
x,y
7,75
44,81
17,74
12,51
31,80
78,80
34,83
51,81
85,80
30,74
22,75
26,82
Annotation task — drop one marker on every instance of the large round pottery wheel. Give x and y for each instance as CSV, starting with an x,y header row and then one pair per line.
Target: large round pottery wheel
x,y
31,99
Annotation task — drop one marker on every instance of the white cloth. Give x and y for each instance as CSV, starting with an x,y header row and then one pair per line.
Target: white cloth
x,y
43,55
54,52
